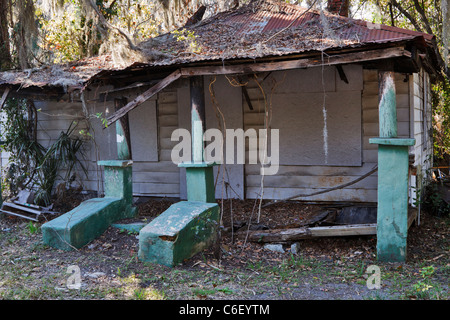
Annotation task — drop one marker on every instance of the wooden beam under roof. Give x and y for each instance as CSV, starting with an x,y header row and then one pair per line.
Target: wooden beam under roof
x,y
320,60
250,68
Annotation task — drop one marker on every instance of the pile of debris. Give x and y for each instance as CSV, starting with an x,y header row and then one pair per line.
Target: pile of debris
x,y
290,221
23,206
326,222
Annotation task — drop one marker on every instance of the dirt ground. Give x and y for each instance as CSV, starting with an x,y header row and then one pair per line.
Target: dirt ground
x,y
321,269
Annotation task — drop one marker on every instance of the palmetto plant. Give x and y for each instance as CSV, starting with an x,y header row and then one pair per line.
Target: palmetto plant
x,y
31,164
45,180
62,156
67,150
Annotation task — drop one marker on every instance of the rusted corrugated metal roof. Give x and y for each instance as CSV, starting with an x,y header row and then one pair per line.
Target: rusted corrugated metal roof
x,y
67,76
264,21
259,29
273,29
292,16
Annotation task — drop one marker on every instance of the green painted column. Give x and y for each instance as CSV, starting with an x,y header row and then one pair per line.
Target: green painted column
x,y
387,105
199,174
187,227
91,218
392,212
197,118
393,165
118,183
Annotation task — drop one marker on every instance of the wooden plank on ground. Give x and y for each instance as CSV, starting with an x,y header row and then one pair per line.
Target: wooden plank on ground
x,y
19,215
23,208
293,234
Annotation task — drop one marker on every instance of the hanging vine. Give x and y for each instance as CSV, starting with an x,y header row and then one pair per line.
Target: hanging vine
x,y
19,139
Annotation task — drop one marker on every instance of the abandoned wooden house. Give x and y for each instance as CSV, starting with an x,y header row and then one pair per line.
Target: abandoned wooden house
x,y
349,98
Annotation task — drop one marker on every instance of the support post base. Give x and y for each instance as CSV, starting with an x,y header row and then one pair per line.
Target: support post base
x,y
200,181
392,212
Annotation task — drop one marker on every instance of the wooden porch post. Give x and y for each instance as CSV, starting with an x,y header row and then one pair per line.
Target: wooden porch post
x,y
387,105
199,174
197,117
123,133
393,162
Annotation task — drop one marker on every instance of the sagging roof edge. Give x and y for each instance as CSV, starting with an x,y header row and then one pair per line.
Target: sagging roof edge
x,y
398,52
40,90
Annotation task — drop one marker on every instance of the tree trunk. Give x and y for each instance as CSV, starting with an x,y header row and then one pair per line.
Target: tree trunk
x,y
5,56
25,32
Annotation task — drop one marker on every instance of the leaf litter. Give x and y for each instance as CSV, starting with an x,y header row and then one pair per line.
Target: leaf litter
x,y
244,270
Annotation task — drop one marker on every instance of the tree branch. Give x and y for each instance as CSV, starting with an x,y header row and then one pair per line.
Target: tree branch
x,y
407,15
441,63
107,24
423,16
391,13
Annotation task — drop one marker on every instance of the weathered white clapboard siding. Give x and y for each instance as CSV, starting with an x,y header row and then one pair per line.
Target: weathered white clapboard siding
x,y
154,174
161,177
150,178
421,124
55,118
294,179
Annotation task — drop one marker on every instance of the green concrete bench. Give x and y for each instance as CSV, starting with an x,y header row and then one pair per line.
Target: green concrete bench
x,y
180,232
84,223
91,218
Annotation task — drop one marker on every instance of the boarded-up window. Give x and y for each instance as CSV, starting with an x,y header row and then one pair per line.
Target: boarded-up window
x,y
319,116
144,132
318,131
